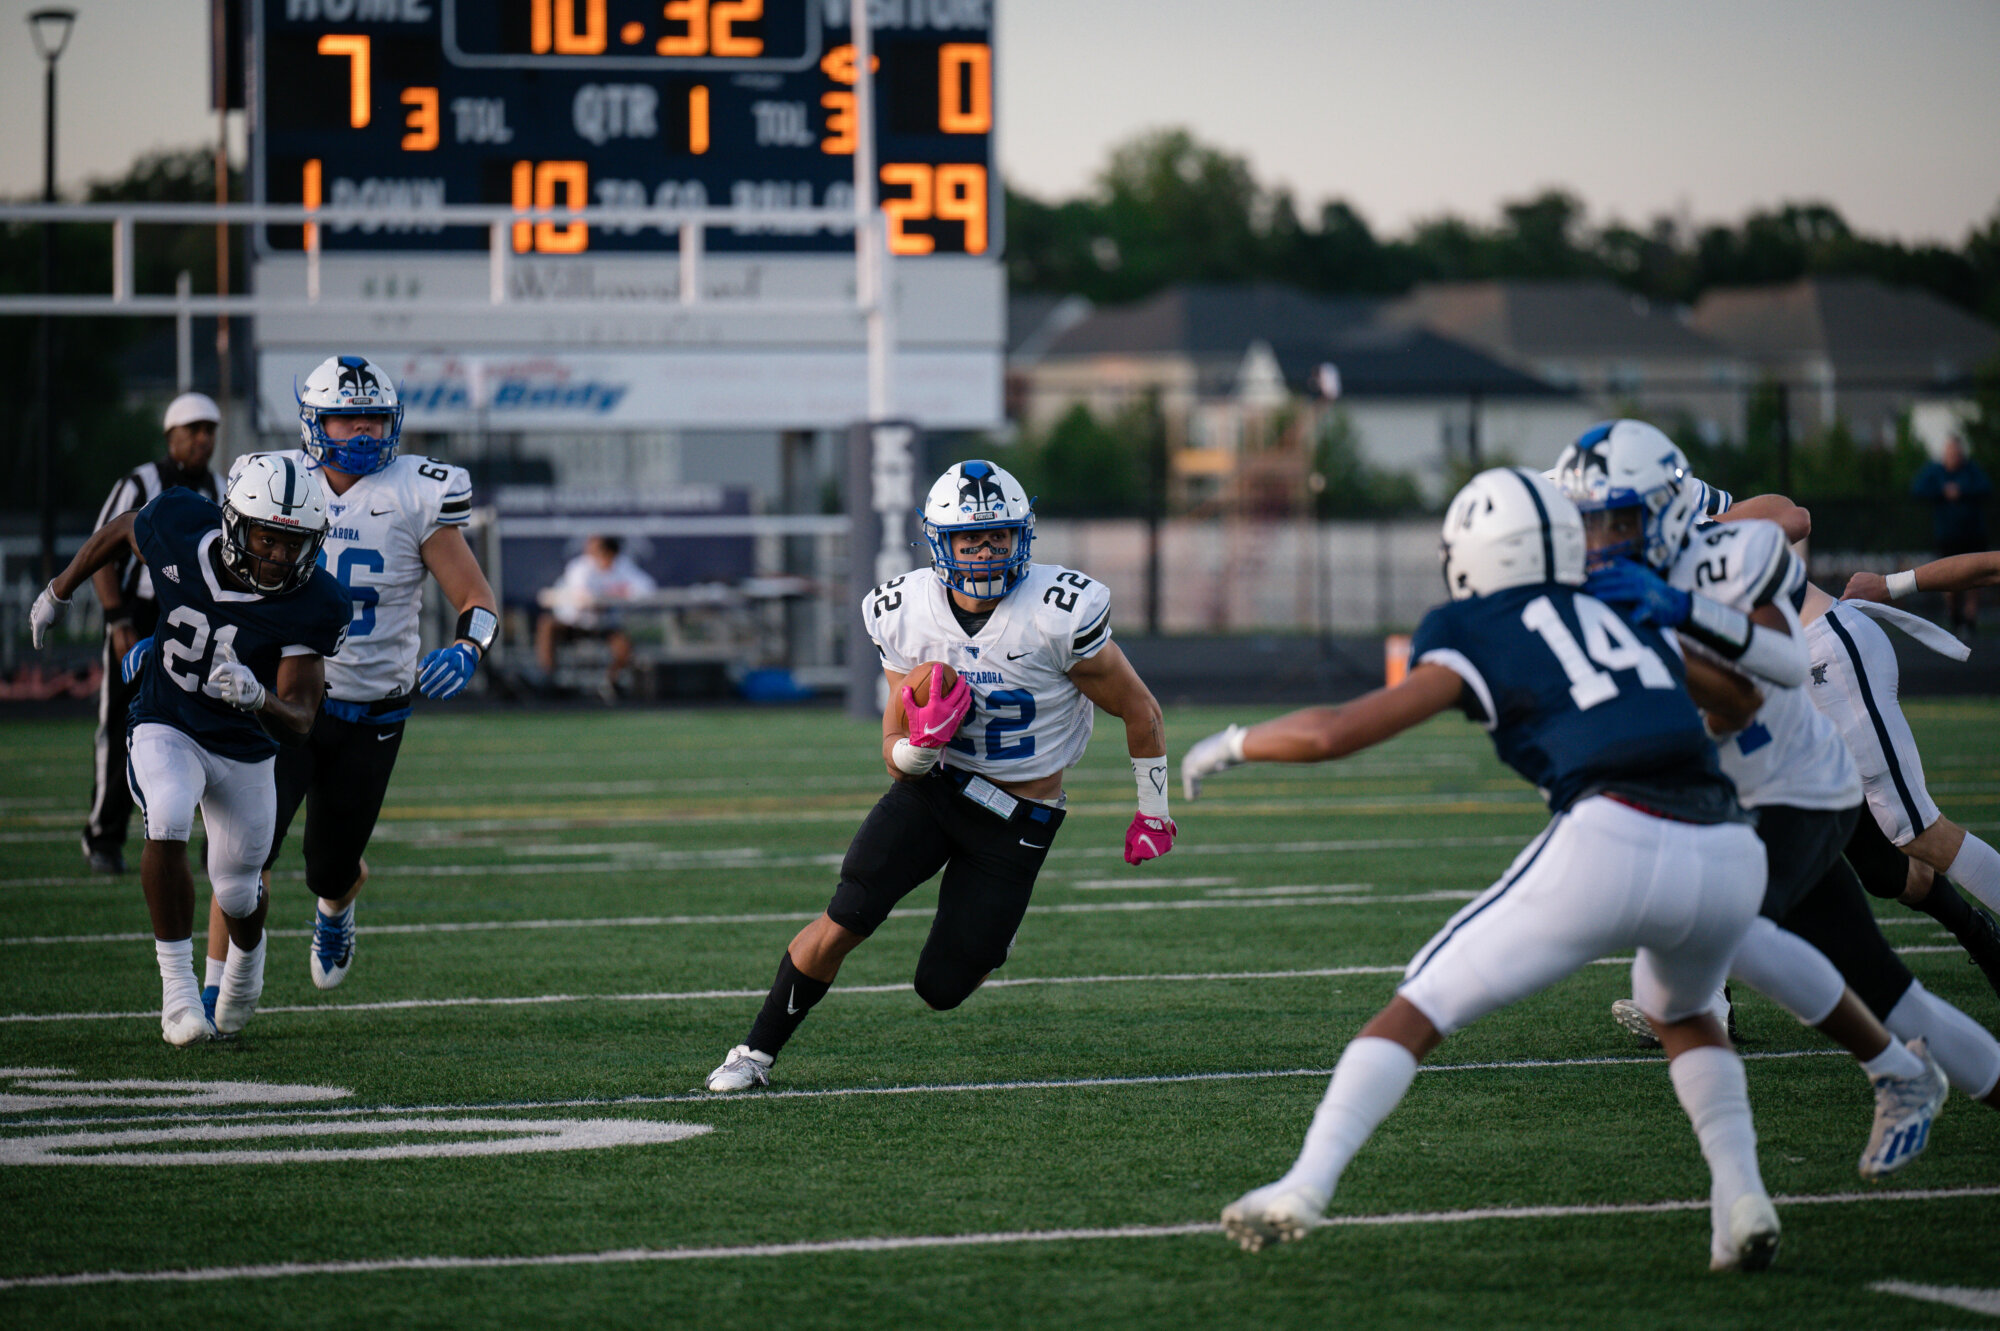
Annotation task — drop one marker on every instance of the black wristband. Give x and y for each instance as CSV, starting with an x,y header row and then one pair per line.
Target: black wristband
x,y
479,626
113,618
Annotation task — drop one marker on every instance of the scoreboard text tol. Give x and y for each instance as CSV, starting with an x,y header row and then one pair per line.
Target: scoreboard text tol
x,y
400,105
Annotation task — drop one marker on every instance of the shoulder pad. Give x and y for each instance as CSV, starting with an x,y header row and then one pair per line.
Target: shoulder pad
x,y
1072,609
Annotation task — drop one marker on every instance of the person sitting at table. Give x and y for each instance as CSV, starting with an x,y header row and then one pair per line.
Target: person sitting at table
x,y
584,603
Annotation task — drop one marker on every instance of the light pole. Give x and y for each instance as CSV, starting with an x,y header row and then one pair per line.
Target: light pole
x,y
50,28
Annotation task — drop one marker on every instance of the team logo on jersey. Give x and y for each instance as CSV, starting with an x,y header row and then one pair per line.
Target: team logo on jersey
x,y
172,573
972,651
1819,673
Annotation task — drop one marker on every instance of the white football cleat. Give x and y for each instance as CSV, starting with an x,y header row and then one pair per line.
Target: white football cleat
x,y
1752,1244
236,997
186,1026
1904,1108
743,1069
1280,1212
332,947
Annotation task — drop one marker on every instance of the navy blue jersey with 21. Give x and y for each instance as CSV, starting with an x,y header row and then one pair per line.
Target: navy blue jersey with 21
x,y
179,535
1578,700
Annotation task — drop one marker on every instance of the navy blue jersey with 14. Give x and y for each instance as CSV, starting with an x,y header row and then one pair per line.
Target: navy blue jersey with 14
x,y
1578,700
179,535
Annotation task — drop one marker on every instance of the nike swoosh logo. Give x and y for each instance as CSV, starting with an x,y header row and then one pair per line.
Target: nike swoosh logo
x,y
790,1011
379,512
386,738
1015,656
1032,846
938,729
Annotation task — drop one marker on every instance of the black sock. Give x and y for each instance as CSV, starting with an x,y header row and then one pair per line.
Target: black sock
x,y
792,995
1945,905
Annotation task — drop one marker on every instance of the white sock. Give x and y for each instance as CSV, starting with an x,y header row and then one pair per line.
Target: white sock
x,y
1967,1051
1789,971
1977,870
178,991
242,966
328,909
1894,1061
1369,1081
1715,1095
211,971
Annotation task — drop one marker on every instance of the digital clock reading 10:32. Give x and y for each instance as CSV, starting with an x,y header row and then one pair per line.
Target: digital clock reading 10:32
x,y
405,104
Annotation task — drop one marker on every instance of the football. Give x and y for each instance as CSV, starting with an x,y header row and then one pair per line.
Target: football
x,y
919,680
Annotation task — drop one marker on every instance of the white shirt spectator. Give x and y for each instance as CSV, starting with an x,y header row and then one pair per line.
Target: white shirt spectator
x,y
588,593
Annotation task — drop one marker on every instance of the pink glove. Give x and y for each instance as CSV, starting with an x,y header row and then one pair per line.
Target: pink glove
x,y
1148,838
932,724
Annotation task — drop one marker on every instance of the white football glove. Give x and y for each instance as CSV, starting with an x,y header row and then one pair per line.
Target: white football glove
x,y
47,610
230,680
1217,753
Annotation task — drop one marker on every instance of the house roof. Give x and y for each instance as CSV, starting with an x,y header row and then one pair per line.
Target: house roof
x,y
1563,317
1845,319
1214,325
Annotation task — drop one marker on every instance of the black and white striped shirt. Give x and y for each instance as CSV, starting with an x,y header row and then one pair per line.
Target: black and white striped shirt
x,y
136,489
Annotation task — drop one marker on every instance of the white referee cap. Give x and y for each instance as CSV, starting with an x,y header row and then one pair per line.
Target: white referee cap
x,y
189,408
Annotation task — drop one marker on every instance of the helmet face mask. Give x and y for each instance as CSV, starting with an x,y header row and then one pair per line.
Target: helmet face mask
x,y
352,386
977,496
273,524
1630,465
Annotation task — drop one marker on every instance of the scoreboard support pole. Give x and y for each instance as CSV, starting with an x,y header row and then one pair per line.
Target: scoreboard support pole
x,y
882,459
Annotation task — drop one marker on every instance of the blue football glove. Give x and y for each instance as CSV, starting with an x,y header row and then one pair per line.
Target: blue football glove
x,y
130,664
1630,583
445,672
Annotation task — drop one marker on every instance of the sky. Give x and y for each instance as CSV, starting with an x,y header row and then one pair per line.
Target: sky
x,y
1705,109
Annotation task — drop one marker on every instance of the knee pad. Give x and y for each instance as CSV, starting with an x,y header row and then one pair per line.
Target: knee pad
x,y
945,979
238,890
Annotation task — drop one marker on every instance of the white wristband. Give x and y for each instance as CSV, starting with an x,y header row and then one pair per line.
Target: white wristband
x,y
1150,774
51,590
913,760
1902,584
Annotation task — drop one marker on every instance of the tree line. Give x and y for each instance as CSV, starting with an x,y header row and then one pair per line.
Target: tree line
x,y
1168,208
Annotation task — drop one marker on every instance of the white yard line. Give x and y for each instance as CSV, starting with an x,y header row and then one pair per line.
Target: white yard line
x,y
906,1243
690,995
771,917
847,1092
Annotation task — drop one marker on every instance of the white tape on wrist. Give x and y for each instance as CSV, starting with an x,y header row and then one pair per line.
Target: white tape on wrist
x,y
913,760
1902,584
1150,775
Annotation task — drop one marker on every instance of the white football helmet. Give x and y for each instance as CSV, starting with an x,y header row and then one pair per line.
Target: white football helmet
x,y
978,496
271,491
349,386
1630,464
1510,527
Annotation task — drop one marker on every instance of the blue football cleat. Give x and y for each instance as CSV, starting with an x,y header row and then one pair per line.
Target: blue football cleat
x,y
332,947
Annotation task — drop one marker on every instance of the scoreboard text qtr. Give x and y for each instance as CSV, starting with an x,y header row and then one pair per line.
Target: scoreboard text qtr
x,y
538,104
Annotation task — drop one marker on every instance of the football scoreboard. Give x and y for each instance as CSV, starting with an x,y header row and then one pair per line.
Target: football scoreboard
x,y
405,104
394,107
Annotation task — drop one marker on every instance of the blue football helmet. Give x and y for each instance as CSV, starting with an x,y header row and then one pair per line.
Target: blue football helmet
x,y
349,386
1630,464
978,496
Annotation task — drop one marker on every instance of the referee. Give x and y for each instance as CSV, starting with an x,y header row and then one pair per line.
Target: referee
x,y
125,589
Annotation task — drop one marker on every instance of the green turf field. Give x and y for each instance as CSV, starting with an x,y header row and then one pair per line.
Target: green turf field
x,y
574,916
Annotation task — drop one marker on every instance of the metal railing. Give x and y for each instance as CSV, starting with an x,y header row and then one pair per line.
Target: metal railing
x,y
498,222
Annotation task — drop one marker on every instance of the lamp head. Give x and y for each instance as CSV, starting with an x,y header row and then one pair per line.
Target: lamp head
x,y
50,27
